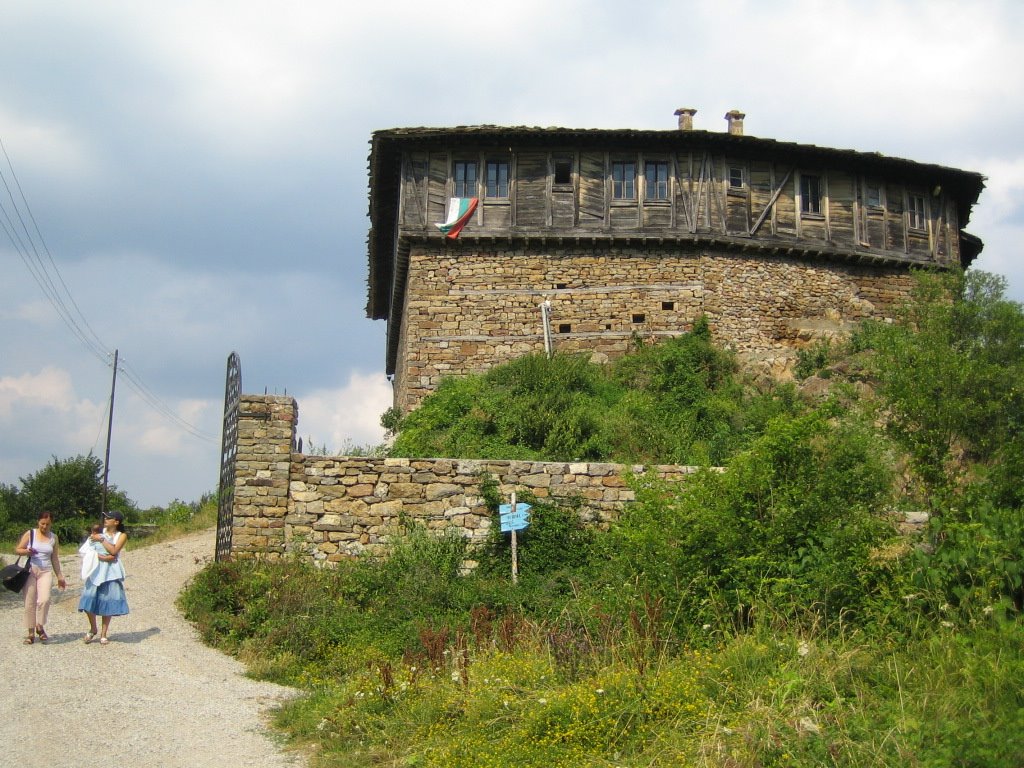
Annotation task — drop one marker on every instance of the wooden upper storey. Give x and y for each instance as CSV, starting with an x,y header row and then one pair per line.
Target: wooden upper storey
x,y
734,191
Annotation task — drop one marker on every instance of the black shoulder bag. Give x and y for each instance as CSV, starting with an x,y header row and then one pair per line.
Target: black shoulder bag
x,y
14,575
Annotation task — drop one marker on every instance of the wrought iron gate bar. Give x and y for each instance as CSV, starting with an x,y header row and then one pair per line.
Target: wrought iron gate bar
x,y
228,453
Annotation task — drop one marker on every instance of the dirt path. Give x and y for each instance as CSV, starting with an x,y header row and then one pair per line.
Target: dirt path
x,y
154,697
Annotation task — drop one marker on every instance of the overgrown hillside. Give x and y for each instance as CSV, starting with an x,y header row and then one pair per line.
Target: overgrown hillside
x,y
768,615
681,401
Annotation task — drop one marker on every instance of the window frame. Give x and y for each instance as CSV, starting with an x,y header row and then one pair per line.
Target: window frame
x,y
498,184
917,215
460,181
806,198
620,184
880,187
564,161
661,185
734,171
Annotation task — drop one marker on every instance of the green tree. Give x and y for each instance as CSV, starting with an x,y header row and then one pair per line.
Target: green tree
x,y
70,488
8,505
951,373
794,518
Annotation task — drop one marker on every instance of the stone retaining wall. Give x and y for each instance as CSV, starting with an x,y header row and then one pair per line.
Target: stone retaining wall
x,y
331,508
334,507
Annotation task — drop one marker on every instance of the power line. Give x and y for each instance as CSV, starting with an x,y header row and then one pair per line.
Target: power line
x,y
47,276
23,242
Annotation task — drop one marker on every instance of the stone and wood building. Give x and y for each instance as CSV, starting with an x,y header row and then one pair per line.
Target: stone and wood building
x,y
586,239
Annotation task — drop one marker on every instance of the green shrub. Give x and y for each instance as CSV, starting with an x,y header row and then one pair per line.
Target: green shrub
x,y
813,359
794,520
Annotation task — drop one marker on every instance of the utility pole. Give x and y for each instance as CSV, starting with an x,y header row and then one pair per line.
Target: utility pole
x,y
110,425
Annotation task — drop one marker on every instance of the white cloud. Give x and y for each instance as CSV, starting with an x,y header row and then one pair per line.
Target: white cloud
x,y
50,389
347,416
45,146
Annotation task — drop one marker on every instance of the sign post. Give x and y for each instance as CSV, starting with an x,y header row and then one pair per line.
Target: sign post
x,y
515,548
514,517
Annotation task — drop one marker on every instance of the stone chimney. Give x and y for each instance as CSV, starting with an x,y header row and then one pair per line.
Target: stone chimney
x,y
685,115
735,120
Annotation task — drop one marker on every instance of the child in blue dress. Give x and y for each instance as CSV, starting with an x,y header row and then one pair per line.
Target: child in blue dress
x,y
103,591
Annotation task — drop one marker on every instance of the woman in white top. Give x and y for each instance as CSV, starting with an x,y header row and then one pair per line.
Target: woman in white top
x,y
42,547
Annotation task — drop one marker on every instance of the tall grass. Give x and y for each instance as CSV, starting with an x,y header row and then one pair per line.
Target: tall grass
x,y
771,615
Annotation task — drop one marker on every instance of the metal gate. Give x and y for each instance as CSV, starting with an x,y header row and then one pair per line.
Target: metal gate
x,y
228,453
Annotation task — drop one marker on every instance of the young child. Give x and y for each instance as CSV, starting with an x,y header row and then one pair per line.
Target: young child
x,y
90,552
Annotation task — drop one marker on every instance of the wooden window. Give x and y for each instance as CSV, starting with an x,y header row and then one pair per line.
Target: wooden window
x,y
639,317
656,180
668,305
563,171
497,178
737,178
915,211
623,180
465,178
873,194
810,193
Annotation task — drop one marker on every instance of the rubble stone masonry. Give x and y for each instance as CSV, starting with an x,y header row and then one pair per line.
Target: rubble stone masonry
x,y
335,507
467,308
329,508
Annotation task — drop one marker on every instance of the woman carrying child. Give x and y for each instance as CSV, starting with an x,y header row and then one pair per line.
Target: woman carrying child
x,y
103,591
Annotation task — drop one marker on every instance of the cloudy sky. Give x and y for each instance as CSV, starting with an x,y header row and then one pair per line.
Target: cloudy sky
x,y
190,176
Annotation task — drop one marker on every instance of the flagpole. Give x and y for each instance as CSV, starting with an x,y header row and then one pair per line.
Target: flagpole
x,y
110,425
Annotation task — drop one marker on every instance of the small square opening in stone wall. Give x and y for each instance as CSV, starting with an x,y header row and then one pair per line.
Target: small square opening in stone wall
x,y
560,286
668,305
564,328
639,317
607,326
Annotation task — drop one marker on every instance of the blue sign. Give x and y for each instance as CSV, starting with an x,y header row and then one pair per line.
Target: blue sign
x,y
514,520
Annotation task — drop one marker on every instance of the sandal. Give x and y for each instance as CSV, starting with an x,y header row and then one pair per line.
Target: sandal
x,y
43,637
103,641
28,640
89,637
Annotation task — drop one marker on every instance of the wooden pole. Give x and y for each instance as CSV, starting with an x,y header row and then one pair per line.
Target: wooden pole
x,y
110,425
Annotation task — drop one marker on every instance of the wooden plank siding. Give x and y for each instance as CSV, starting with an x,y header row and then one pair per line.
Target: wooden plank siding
x,y
532,199
785,204
590,180
437,188
842,195
414,203
895,232
701,201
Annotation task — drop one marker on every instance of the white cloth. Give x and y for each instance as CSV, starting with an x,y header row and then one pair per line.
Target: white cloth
x,y
90,557
106,570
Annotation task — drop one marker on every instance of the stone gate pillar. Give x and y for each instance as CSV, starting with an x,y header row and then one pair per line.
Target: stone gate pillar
x,y
266,433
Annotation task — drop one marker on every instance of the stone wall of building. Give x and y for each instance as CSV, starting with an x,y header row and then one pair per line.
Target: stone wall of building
x,y
468,309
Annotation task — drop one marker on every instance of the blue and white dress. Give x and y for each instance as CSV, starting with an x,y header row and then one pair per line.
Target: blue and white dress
x,y
103,592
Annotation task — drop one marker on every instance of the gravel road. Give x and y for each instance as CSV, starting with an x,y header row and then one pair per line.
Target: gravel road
x,y
154,697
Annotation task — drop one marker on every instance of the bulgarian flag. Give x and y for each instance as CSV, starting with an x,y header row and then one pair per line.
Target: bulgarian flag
x,y
459,211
